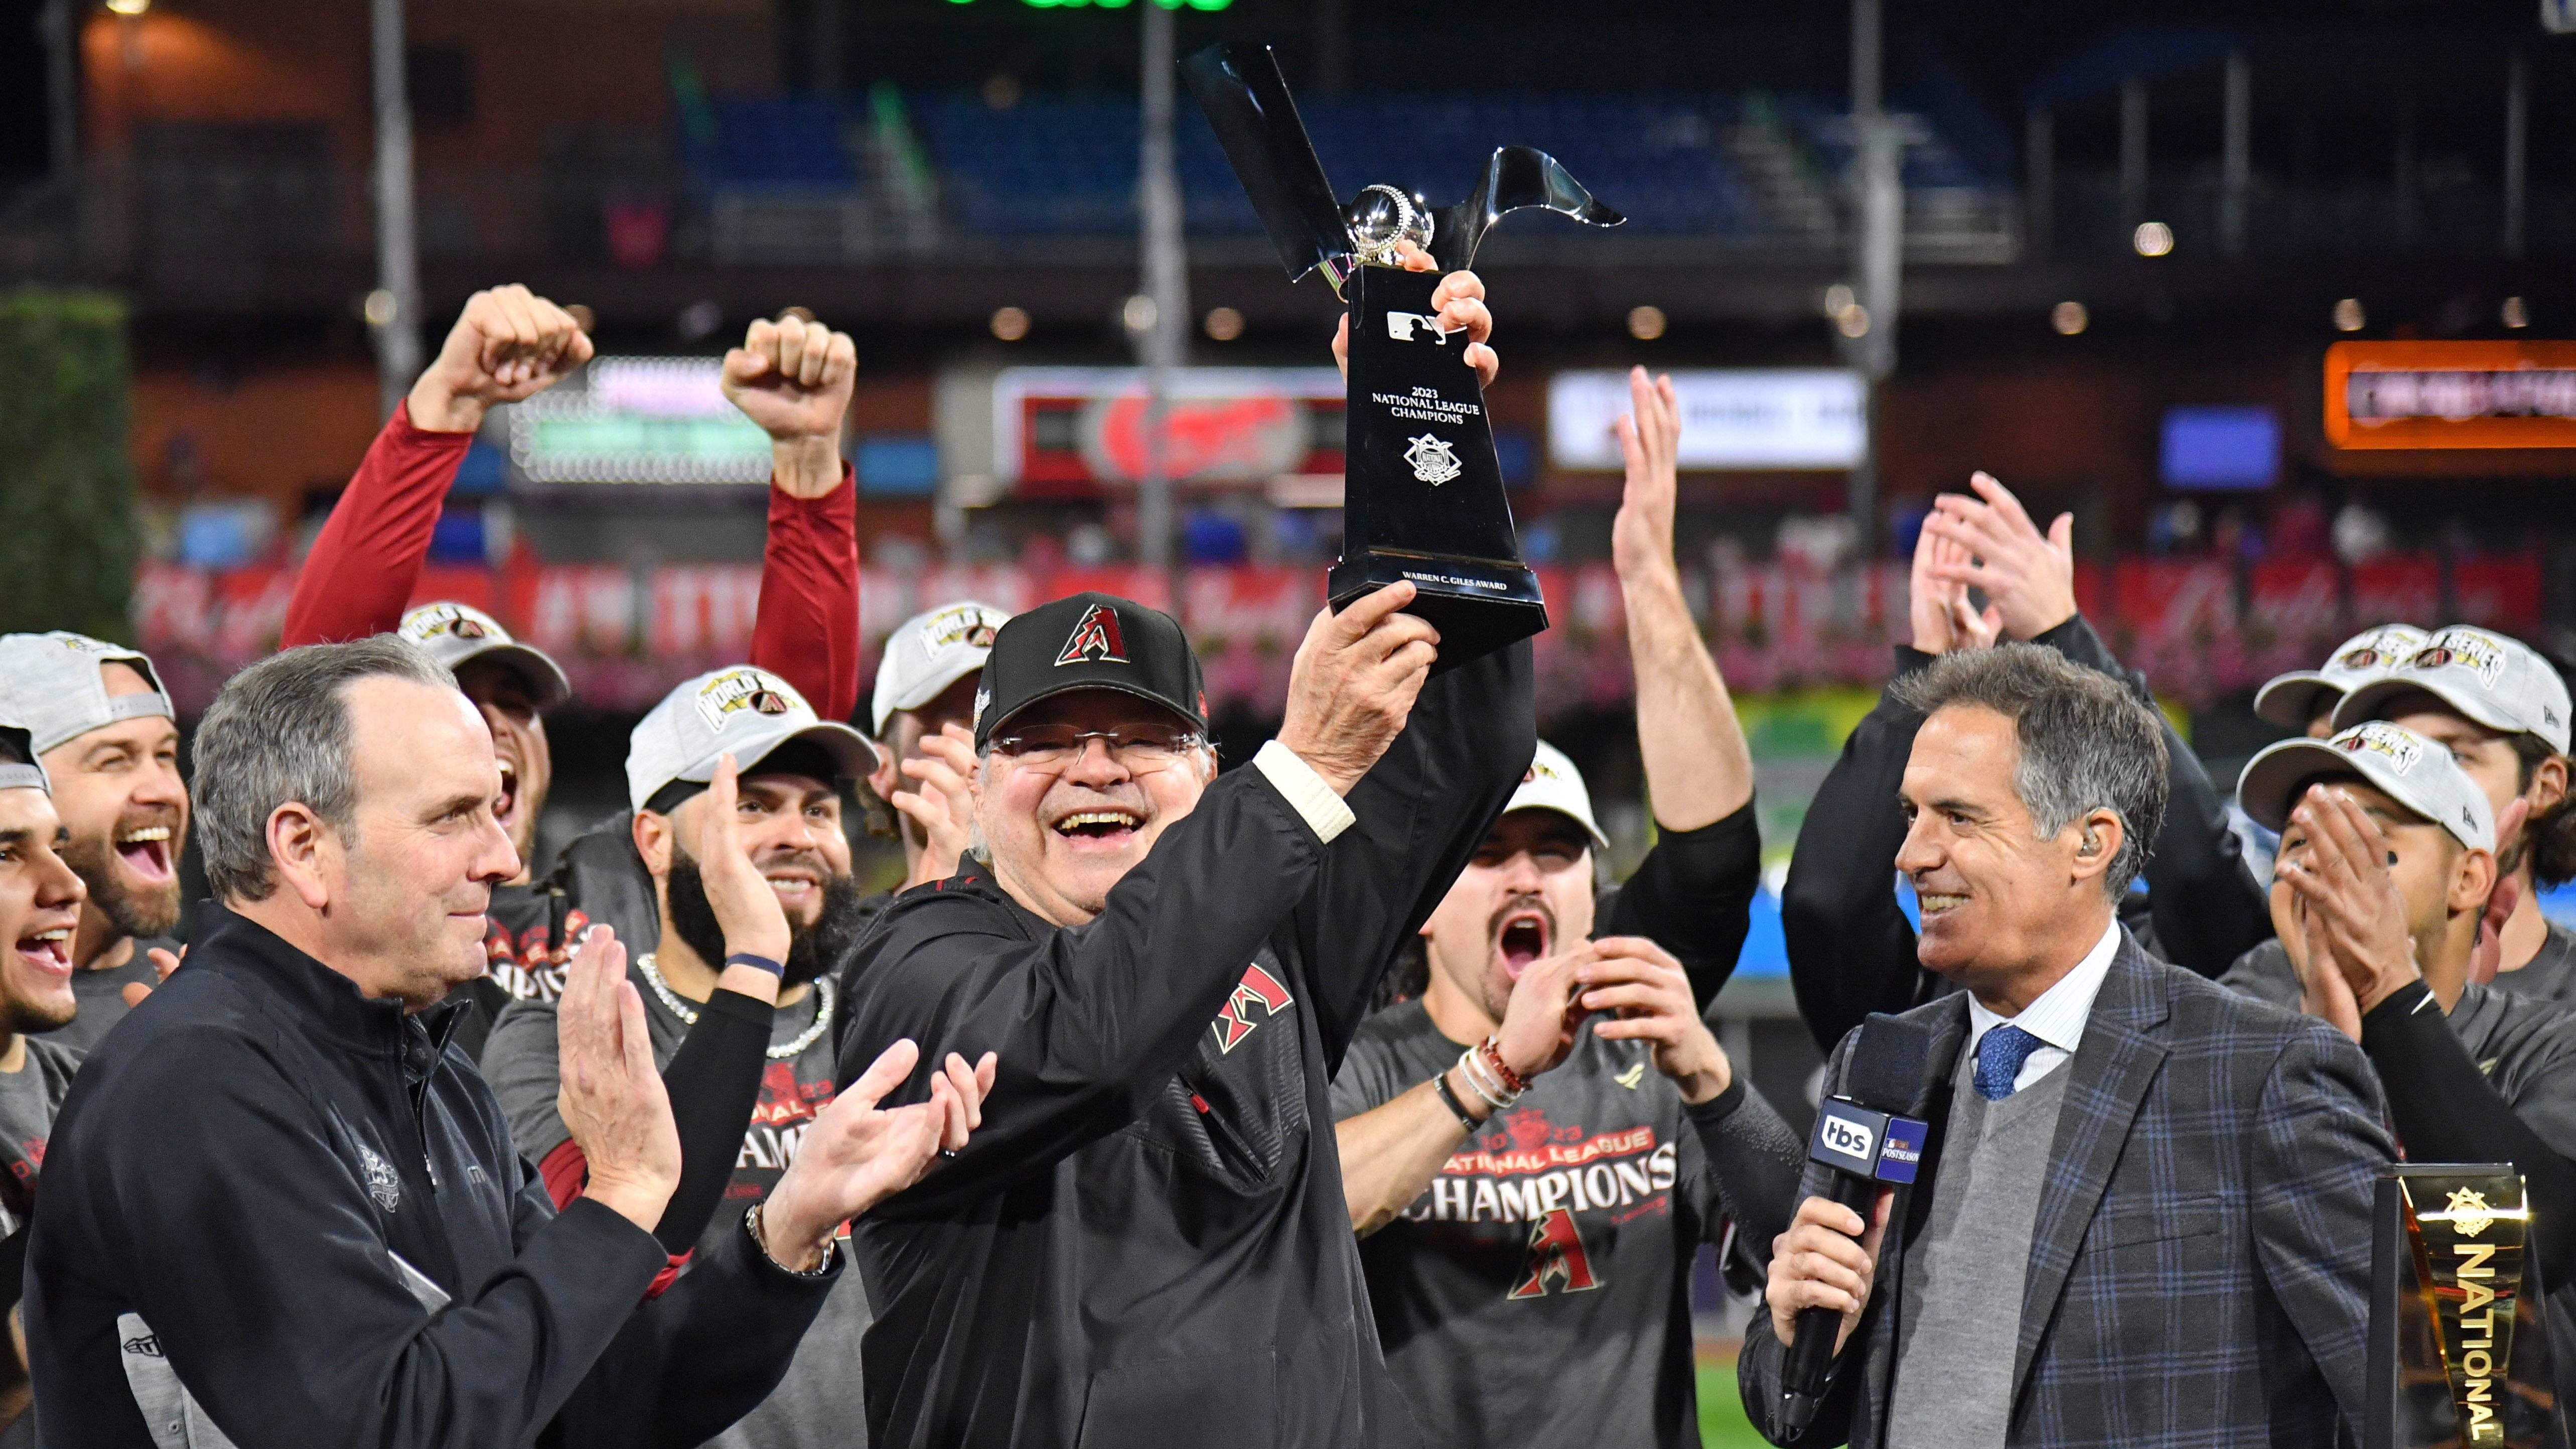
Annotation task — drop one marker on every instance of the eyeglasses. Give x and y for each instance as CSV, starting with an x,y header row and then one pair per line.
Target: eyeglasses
x,y
1141,748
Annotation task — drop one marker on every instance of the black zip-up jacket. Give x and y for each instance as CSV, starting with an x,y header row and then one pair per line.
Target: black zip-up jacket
x,y
305,1203
1146,1243
1851,950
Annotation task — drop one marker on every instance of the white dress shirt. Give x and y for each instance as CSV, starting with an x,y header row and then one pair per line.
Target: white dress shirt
x,y
2057,1017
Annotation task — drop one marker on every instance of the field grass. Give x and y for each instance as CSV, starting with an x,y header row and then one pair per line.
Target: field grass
x,y
1721,1411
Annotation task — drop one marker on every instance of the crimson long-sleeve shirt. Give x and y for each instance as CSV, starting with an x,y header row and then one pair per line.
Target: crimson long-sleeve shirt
x,y
368,559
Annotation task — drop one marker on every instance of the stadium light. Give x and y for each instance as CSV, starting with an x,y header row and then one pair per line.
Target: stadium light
x,y
1010,324
2515,314
1645,323
2153,239
1224,324
129,7
2348,315
2069,318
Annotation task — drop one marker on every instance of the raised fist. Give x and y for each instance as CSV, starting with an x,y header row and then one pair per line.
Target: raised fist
x,y
793,377
508,344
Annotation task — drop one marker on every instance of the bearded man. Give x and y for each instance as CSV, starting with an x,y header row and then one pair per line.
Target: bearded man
x,y
693,818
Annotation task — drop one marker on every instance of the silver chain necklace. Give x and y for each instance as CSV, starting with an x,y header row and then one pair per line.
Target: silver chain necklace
x,y
784,1051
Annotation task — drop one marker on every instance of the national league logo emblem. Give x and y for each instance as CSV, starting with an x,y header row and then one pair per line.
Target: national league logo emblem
x,y
1433,460
1095,638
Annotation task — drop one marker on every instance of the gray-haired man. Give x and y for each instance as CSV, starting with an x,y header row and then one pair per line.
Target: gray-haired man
x,y
2148,1219
281,1206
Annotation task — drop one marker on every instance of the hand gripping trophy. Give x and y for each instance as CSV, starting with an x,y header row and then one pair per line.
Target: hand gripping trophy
x,y
1423,492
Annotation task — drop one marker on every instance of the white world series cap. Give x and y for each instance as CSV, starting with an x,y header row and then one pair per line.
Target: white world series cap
x,y
19,769
744,711
1553,783
2291,700
454,633
56,684
2412,770
2498,681
929,652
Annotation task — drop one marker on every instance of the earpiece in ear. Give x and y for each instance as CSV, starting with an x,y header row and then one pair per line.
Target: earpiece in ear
x,y
2092,843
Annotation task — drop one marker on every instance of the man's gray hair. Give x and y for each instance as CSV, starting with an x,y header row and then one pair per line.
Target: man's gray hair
x,y
2086,742
280,732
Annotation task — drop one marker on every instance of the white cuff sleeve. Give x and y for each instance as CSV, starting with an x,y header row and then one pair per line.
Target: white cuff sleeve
x,y
1313,800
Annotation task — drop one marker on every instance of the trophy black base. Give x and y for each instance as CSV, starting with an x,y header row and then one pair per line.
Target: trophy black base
x,y
1478,604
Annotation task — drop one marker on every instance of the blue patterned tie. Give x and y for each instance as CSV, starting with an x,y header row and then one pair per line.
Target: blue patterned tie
x,y
2000,1055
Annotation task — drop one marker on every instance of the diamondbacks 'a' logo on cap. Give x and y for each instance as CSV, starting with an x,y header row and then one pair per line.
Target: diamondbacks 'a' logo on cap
x,y
968,624
451,621
744,691
2400,749
1096,638
2482,654
2362,658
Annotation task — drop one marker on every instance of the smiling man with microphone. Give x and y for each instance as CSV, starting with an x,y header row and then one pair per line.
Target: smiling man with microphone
x,y
2141,1214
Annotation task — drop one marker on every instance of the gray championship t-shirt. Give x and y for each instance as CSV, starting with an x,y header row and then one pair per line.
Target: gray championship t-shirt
x,y
2265,973
1538,1293
819,1405
101,995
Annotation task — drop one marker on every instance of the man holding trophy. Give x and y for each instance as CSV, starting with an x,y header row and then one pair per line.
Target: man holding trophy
x,y
1147,1241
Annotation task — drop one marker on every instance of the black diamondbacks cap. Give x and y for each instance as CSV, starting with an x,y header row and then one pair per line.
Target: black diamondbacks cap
x,y
1089,641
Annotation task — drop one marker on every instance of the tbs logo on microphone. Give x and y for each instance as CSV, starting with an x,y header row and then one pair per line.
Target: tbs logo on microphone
x,y
1864,1143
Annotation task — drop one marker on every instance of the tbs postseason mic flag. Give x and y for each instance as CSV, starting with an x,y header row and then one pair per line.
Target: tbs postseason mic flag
x,y
1867,1143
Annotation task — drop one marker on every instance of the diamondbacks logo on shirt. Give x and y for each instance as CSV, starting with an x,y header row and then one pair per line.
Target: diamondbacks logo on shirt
x,y
1095,638
378,1175
1257,989
735,691
1556,1254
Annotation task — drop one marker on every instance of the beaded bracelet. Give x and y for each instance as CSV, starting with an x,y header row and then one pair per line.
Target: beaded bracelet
x,y
1493,1054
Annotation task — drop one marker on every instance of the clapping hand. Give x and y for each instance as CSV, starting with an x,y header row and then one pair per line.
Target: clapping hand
x,y
611,1097
2029,578
745,906
856,1154
944,805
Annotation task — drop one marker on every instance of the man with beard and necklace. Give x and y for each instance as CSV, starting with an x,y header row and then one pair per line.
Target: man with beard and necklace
x,y
785,811
1556,1220
40,916
792,376
105,732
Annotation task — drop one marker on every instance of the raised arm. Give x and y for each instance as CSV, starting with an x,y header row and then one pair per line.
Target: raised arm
x,y
1693,894
794,378
1091,1022
508,344
1698,770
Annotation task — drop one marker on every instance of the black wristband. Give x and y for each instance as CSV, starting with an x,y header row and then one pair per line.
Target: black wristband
x,y
745,958
1450,1096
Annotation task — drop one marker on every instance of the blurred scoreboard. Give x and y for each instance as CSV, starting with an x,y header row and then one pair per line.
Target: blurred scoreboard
x,y
638,420
2451,395
1065,432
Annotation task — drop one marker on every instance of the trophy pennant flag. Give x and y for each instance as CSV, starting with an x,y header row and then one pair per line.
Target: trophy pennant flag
x,y
1422,496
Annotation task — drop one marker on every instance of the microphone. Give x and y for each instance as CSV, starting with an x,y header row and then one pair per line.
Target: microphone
x,y
1864,1138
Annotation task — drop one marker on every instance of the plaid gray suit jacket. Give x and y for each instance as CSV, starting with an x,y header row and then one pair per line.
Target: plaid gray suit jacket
x,y
2200,1269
